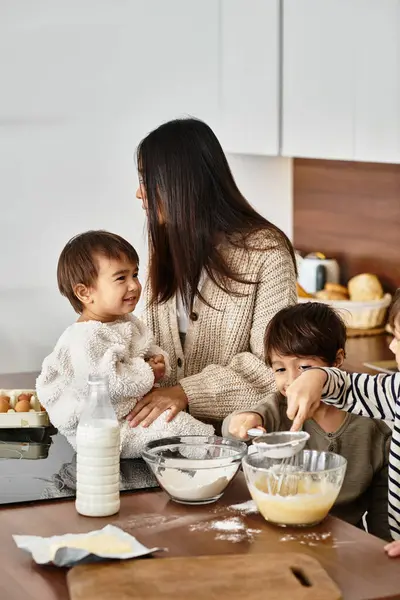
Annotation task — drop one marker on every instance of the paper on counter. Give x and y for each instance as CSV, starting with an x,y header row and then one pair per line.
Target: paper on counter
x,y
104,544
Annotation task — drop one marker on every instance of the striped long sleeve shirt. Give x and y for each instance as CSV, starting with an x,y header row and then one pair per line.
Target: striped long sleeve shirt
x,y
377,397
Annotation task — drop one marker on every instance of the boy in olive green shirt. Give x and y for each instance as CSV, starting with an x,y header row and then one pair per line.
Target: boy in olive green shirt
x,y
309,335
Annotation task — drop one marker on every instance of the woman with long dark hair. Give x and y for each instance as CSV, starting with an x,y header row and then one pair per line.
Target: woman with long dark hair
x,y
218,272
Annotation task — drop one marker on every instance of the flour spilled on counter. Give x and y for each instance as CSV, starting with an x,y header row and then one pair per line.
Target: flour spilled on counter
x,y
234,524
245,508
228,530
146,520
309,539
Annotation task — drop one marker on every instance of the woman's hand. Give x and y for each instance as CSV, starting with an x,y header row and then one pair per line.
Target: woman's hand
x,y
155,403
241,423
393,549
304,396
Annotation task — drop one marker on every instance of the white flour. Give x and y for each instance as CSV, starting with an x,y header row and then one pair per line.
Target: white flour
x,y
309,539
195,485
235,524
228,530
146,520
246,508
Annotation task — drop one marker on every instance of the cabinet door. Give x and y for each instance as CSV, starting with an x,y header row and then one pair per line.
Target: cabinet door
x,y
178,63
250,76
377,81
317,78
143,62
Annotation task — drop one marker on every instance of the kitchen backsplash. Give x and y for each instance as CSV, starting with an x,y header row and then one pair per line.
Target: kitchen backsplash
x,y
350,211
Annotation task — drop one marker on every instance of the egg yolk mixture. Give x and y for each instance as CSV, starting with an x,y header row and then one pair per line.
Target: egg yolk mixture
x,y
310,504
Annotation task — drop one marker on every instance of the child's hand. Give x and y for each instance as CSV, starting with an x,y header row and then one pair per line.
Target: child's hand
x,y
157,363
393,549
304,396
241,423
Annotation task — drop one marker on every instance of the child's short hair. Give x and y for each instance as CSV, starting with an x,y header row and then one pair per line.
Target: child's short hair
x,y
394,312
77,262
309,329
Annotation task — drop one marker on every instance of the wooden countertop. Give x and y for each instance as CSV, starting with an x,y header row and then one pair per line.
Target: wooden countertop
x,y
366,349
355,560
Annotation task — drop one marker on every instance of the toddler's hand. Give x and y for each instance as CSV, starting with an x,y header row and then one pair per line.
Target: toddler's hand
x,y
157,363
241,423
393,549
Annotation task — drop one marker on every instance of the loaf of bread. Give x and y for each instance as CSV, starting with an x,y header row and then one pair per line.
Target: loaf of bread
x,y
365,287
337,289
330,295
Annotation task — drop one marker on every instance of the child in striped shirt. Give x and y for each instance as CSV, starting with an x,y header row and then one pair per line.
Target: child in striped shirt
x,y
374,396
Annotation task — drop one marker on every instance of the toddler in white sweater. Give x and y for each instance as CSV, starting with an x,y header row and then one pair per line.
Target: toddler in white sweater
x,y
98,273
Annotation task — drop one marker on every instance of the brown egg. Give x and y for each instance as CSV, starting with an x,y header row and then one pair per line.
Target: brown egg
x,y
4,404
42,408
22,406
5,398
25,397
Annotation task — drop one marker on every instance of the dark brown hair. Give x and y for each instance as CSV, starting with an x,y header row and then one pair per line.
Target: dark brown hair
x,y
77,262
309,329
394,312
188,181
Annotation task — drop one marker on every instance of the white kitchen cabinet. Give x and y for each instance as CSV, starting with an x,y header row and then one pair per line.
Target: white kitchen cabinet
x,y
142,61
341,79
250,76
177,64
377,81
317,79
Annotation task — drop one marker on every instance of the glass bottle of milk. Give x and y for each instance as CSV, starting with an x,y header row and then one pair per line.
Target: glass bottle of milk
x,y
98,452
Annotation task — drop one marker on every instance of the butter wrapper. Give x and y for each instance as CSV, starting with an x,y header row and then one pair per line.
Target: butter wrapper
x,y
109,543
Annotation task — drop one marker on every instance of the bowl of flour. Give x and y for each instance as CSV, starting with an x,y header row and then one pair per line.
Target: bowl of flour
x,y
194,469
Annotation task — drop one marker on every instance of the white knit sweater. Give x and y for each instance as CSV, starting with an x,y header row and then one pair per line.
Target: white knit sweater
x,y
117,350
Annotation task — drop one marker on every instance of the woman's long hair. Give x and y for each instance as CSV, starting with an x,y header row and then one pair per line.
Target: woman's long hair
x,y
193,204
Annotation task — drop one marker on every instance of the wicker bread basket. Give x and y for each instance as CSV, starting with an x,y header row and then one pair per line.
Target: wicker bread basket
x,y
359,315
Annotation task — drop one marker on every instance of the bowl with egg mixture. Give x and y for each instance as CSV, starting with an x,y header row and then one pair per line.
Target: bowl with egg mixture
x,y
194,469
299,493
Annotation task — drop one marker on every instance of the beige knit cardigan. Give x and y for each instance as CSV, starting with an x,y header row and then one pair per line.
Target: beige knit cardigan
x,y
221,367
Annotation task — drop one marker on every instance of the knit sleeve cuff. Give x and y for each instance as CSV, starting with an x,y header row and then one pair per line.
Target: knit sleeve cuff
x,y
199,398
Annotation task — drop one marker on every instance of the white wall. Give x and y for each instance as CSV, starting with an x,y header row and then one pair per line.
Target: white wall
x,y
69,124
266,182
55,181
59,180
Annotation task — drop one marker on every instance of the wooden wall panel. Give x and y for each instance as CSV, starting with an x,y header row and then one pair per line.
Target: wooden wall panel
x,y
351,211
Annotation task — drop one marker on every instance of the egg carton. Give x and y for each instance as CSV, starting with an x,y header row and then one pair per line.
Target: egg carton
x,y
35,417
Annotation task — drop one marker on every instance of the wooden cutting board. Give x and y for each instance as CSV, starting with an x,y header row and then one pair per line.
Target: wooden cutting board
x,y
225,577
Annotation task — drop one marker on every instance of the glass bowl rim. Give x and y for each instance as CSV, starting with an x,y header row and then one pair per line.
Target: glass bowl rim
x,y
200,442
294,473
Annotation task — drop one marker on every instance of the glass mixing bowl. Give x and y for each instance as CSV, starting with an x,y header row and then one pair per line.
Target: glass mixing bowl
x,y
299,492
194,469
